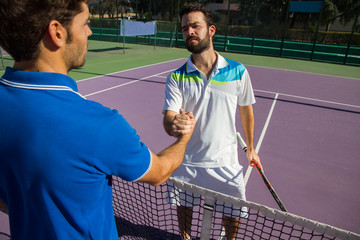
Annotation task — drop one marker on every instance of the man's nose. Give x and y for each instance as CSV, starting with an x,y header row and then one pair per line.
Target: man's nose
x,y
191,31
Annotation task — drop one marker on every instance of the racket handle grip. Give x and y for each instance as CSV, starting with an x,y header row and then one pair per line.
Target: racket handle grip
x,y
241,142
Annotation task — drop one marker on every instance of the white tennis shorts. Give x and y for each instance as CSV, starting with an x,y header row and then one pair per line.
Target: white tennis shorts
x,y
227,180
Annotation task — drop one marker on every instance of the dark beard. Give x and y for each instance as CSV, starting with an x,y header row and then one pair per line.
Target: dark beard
x,y
200,47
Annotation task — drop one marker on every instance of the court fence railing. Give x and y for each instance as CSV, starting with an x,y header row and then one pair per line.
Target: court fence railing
x,y
246,45
290,28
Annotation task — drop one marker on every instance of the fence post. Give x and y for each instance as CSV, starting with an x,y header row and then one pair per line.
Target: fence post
x,y
117,20
100,20
285,27
150,14
123,33
177,22
227,25
256,20
155,35
351,36
317,30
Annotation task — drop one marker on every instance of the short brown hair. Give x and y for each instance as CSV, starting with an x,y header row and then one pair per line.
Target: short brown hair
x,y
198,7
24,22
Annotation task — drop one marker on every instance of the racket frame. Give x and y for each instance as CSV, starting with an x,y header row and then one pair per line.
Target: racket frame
x,y
262,174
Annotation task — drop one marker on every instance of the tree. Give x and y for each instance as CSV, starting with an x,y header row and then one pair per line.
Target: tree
x,y
110,7
344,10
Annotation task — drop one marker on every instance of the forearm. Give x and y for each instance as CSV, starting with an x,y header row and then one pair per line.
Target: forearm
x,y
166,162
168,120
174,155
247,122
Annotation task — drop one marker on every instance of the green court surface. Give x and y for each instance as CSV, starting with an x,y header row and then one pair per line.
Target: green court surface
x,y
109,57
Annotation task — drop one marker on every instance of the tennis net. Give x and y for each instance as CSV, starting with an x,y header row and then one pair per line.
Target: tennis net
x,y
143,211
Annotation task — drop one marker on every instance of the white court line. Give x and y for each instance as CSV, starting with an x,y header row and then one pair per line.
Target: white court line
x,y
311,99
131,82
130,69
289,70
248,170
283,94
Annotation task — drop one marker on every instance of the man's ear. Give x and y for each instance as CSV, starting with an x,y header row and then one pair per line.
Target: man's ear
x,y
56,33
212,30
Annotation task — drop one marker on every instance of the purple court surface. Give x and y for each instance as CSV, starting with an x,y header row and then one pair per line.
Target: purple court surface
x,y
307,133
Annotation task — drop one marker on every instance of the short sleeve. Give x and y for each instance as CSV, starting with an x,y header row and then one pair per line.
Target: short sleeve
x,y
120,151
246,94
173,96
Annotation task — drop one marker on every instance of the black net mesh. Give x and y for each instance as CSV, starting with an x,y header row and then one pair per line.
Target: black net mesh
x,y
143,211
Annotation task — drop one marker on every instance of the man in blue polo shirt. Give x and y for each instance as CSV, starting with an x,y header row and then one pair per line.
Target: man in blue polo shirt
x,y
57,149
212,88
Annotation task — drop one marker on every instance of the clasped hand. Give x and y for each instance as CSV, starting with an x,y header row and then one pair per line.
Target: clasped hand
x,y
183,123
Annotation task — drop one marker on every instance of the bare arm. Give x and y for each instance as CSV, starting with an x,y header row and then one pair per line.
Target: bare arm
x,y
3,207
247,122
168,160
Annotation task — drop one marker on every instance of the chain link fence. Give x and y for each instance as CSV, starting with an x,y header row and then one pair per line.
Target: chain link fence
x,y
323,30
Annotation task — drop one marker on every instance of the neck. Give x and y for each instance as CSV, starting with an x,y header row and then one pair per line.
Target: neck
x,y
49,60
39,65
205,61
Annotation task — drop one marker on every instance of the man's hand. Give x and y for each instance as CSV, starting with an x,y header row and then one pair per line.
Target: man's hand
x,y
183,123
253,158
167,161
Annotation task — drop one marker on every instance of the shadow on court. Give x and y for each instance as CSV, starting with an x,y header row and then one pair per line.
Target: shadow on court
x,y
127,229
106,49
122,77
309,104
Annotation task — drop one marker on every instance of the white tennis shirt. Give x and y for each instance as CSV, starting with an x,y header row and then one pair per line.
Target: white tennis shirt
x,y
213,102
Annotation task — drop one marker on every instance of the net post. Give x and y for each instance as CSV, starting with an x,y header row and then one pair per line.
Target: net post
x,y
207,217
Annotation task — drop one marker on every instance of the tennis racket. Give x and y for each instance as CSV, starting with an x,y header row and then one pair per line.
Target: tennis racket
x,y
261,172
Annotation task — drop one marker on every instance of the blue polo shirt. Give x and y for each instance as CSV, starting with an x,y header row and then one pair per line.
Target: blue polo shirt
x,y
57,154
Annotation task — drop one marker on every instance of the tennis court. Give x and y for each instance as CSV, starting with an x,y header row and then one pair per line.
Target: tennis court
x,y
307,129
308,147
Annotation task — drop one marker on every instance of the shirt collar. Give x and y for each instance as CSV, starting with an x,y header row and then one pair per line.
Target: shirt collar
x,y
56,80
220,63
